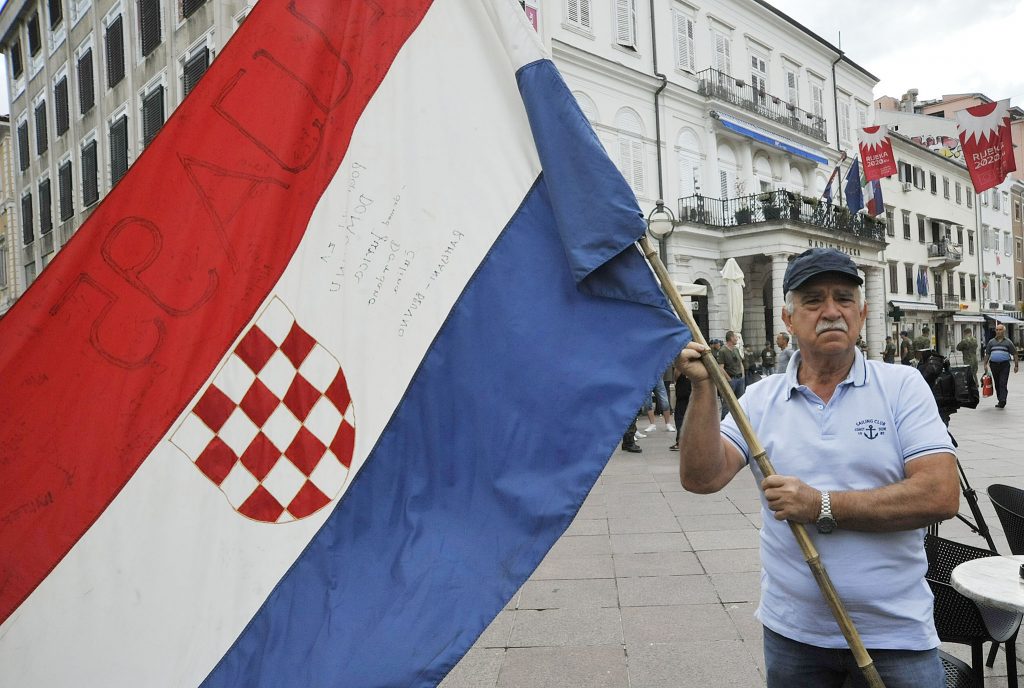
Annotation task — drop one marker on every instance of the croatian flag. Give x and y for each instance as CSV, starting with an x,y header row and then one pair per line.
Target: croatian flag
x,y
321,381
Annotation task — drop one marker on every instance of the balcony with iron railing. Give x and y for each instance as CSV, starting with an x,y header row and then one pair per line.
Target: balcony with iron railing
x,y
780,207
944,254
739,92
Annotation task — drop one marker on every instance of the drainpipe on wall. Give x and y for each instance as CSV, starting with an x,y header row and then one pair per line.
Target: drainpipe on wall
x,y
662,247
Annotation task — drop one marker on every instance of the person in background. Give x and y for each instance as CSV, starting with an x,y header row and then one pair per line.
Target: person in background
x,y
782,339
750,365
732,361
999,352
768,359
683,389
968,346
889,355
906,349
923,341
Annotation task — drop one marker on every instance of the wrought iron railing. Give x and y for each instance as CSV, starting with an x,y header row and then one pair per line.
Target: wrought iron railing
x,y
944,249
777,206
741,92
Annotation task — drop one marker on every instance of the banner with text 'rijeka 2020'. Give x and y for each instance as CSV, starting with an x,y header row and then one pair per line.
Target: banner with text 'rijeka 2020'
x,y
324,377
985,137
876,152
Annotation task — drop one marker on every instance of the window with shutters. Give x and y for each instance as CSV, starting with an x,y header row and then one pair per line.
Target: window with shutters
x,y
685,50
577,14
970,242
149,25
62,116
792,86
818,97
118,149
919,178
90,174
921,228
631,149
894,278
959,193
759,76
152,113
67,191
28,232
42,137
933,182
890,222
688,152
908,277
723,52
970,196
189,7
45,208
963,287
844,122
194,68
945,187
56,12
906,224
86,87
23,152
35,42
17,67
114,40
625,23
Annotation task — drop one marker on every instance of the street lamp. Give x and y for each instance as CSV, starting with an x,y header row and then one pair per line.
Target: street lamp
x,y
660,225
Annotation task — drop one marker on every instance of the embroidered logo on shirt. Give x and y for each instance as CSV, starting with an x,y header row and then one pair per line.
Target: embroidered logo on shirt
x,y
870,428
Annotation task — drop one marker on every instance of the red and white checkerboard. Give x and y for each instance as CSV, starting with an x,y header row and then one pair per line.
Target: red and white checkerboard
x,y
275,429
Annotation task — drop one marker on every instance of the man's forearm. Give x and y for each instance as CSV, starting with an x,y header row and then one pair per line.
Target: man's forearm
x,y
701,457
922,499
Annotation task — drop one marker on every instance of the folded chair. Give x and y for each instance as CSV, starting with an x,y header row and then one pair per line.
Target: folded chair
x,y
958,619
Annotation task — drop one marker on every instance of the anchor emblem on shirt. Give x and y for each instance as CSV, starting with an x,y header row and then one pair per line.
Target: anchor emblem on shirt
x,y
870,428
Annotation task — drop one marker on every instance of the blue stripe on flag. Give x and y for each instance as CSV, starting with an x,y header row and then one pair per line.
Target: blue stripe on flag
x,y
504,429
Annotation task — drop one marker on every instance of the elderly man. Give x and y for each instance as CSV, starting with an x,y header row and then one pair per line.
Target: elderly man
x,y
999,353
782,339
863,461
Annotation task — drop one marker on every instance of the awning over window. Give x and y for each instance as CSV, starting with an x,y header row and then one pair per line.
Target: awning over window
x,y
915,305
1005,319
963,318
774,140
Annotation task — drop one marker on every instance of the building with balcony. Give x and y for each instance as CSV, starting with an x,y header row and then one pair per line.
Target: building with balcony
x,y
90,84
933,251
735,114
1017,225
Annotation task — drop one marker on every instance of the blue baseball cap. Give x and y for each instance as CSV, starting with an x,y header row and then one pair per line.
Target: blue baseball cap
x,y
818,261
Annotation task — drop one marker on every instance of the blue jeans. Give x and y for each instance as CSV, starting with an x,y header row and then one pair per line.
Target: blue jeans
x,y
662,399
790,664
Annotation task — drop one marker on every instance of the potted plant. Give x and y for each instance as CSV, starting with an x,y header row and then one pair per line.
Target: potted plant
x,y
795,203
769,205
842,214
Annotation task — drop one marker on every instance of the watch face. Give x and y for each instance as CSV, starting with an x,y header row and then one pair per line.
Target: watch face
x,y
826,524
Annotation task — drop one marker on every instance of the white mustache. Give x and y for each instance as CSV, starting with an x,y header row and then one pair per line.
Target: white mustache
x,y
828,325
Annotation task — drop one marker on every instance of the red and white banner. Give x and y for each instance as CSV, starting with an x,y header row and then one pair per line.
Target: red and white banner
x,y
985,138
876,153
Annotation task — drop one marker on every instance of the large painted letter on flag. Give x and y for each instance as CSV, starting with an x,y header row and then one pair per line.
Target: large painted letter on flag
x,y
324,377
985,137
876,153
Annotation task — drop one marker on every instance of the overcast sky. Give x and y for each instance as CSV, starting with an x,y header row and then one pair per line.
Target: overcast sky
x,y
935,46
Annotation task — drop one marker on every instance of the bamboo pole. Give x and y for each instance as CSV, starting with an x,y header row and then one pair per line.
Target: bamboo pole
x,y
810,552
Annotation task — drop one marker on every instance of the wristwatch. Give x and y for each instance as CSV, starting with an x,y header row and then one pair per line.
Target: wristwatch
x,y
826,523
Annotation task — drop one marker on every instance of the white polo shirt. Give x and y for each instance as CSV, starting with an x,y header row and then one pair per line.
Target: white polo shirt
x,y
880,417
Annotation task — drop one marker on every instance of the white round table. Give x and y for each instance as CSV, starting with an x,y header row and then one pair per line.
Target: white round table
x,y
994,581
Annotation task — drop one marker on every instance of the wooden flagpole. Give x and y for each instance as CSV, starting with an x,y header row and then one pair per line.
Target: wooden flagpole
x,y
810,552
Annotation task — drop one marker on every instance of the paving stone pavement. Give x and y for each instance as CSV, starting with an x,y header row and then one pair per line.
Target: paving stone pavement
x,y
655,587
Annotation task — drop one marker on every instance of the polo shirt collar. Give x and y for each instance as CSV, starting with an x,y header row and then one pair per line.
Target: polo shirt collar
x,y
858,375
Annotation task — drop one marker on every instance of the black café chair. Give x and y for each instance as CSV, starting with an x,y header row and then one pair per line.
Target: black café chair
x,y
958,619
958,674
1008,501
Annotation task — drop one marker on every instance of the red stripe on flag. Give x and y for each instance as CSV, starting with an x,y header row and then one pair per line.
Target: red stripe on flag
x,y
107,347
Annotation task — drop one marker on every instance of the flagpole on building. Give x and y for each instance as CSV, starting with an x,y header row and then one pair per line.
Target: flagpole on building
x,y
810,552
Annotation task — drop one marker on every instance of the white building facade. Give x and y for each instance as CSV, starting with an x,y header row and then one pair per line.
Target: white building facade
x,y
735,115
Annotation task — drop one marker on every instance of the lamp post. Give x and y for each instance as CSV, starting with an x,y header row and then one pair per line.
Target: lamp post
x,y
660,225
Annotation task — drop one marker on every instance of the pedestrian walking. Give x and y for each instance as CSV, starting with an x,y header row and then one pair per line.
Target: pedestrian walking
x,y
999,353
889,354
968,346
